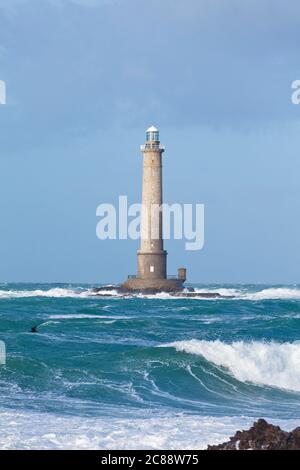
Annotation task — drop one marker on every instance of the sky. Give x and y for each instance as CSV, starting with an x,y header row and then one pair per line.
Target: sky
x,y
86,78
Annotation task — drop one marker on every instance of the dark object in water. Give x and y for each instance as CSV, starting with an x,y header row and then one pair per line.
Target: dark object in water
x,y
34,329
262,436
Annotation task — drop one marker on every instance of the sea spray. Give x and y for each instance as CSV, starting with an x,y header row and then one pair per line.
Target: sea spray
x,y
273,364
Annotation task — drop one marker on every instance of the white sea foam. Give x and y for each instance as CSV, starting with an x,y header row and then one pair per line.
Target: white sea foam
x,y
160,295
270,293
30,430
54,292
275,293
79,316
107,293
272,364
107,322
222,291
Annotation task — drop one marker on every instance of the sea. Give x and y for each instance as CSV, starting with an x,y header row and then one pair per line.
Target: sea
x,y
145,371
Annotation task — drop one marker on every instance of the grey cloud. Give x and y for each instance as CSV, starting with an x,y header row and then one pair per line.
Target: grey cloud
x,y
179,63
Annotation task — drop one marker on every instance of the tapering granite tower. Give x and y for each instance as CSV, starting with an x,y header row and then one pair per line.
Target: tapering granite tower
x,y
152,258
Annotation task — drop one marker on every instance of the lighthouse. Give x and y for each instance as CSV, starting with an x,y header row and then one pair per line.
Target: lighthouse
x,y
151,257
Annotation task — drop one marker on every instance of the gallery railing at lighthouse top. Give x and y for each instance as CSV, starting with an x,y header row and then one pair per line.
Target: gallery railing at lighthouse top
x,y
152,146
135,276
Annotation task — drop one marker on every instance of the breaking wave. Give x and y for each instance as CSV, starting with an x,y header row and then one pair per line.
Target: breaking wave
x,y
270,293
275,293
54,292
81,316
272,364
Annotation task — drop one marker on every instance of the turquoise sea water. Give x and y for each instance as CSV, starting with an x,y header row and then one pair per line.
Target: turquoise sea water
x,y
146,371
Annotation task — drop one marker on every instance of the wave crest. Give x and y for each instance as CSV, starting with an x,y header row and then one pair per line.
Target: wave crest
x,y
272,364
275,293
54,292
269,293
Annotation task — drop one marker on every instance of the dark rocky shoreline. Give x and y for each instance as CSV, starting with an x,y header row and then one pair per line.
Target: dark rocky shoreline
x,y
262,436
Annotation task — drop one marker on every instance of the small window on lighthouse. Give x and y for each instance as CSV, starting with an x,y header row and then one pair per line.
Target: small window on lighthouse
x,y
151,269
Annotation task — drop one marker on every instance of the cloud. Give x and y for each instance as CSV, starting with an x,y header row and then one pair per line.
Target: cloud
x,y
209,63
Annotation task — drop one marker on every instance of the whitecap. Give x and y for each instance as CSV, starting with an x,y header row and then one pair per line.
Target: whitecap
x,y
273,293
32,430
272,364
55,292
78,316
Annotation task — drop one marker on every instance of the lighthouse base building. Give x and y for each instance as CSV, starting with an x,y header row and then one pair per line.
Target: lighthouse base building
x,y
152,258
153,285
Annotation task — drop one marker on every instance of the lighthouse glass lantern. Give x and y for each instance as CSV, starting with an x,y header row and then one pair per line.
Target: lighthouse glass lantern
x,y
152,134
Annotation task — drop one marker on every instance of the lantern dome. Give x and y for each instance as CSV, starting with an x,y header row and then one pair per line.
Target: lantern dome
x,y
152,134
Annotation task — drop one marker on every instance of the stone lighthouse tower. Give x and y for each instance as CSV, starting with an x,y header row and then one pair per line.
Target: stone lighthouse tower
x,y
152,258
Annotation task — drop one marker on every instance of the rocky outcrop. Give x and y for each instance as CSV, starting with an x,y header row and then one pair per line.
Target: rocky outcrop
x,y
168,286
202,295
262,436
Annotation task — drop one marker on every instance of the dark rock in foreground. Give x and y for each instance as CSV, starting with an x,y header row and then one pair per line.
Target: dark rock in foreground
x,y
262,436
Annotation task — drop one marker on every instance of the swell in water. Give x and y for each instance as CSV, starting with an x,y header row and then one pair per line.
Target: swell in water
x,y
272,364
96,376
